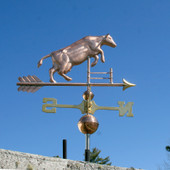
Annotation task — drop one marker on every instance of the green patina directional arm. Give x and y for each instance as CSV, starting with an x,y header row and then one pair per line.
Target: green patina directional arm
x,y
84,107
122,109
54,104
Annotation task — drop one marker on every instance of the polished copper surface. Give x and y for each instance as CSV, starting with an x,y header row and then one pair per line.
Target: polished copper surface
x,y
88,124
24,85
78,52
29,79
86,95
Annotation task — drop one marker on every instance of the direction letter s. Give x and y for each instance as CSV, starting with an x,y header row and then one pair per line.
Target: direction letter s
x,y
53,104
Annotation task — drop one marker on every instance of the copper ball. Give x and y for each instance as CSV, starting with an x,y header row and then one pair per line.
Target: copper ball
x,y
87,94
88,124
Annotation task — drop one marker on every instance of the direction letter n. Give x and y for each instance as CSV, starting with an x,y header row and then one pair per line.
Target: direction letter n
x,y
125,109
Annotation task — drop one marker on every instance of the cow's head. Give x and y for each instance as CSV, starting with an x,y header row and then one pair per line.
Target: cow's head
x,y
108,40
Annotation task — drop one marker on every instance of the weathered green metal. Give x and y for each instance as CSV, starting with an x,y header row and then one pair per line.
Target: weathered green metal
x,y
84,107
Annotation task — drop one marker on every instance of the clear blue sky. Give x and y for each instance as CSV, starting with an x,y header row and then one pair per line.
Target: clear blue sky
x,y
31,29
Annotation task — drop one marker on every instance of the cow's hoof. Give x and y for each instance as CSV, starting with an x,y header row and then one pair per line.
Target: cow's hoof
x,y
69,79
53,81
92,65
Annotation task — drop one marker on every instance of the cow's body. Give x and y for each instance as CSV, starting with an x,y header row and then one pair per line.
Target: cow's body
x,y
76,53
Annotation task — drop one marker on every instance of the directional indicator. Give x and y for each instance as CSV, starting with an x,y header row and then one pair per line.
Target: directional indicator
x,y
54,104
126,84
122,109
63,60
33,83
84,108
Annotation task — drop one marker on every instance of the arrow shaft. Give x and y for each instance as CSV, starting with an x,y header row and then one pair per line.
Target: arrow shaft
x,y
26,83
68,84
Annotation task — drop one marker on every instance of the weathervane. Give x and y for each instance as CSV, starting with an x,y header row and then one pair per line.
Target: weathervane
x,y
63,60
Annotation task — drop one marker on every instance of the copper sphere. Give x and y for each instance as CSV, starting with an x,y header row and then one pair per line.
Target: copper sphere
x,y
88,124
87,94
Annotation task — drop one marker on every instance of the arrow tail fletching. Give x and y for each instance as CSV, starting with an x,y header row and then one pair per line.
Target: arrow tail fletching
x,y
27,88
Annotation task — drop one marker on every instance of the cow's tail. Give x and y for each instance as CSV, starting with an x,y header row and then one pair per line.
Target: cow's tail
x,y
41,61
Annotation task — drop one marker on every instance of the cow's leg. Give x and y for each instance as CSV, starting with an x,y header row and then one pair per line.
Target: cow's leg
x,y
60,62
95,61
51,72
63,70
102,54
61,73
68,68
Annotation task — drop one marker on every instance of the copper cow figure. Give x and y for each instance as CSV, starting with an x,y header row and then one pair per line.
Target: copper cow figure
x,y
76,53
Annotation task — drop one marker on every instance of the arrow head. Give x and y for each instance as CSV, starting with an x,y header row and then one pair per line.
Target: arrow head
x,y
126,84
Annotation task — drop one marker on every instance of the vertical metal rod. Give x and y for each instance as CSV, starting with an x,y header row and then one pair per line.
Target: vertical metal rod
x,y
87,136
111,75
88,70
87,141
87,150
88,82
64,149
